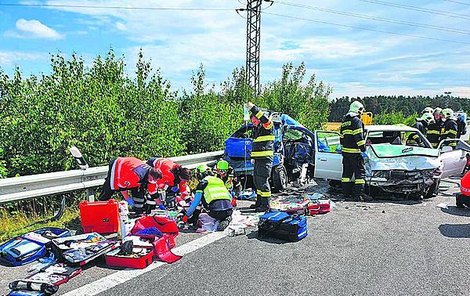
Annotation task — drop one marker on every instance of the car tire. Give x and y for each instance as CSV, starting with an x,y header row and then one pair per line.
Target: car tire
x,y
280,179
433,189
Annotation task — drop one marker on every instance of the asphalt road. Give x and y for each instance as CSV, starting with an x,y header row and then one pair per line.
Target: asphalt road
x,y
379,248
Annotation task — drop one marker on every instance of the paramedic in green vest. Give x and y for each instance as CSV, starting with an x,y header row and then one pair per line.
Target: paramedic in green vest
x,y
353,151
262,153
215,199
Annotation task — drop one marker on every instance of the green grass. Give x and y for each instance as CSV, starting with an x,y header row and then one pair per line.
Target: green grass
x,y
17,224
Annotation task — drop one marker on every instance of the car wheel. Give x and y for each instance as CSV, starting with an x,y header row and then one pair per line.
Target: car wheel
x,y
433,189
279,178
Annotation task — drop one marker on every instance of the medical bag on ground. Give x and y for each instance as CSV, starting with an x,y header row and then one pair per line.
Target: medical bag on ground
x,y
30,246
290,204
132,257
282,225
78,250
44,282
157,223
26,287
319,207
100,216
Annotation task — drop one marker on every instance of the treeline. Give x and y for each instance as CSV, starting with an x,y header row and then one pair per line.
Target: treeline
x,y
404,105
108,113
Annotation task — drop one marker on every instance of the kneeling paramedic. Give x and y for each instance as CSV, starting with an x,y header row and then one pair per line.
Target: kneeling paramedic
x,y
262,153
130,173
216,200
353,150
174,180
463,198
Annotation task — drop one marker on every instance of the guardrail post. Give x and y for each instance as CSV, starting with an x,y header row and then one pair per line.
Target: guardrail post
x,y
90,192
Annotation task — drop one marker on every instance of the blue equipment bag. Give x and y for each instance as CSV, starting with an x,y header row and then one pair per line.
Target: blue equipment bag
x,y
282,225
29,247
238,147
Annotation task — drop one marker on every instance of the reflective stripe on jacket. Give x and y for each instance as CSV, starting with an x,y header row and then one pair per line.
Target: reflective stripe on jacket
x,y
263,137
128,172
215,190
434,133
352,134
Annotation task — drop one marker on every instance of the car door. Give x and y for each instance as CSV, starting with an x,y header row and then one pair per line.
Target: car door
x,y
453,161
328,158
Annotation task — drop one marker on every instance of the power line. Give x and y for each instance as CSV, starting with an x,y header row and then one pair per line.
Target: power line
x,y
458,2
114,7
363,28
380,19
420,9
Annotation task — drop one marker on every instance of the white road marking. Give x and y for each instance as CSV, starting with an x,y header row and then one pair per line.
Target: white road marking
x,y
123,276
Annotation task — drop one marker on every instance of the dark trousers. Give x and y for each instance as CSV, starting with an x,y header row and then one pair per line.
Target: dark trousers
x,y
261,173
461,200
353,166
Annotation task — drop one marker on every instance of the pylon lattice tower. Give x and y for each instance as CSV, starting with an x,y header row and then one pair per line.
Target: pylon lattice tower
x,y
253,26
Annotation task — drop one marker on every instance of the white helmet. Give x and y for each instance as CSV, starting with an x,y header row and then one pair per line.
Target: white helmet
x,y
427,117
356,107
448,113
427,110
437,110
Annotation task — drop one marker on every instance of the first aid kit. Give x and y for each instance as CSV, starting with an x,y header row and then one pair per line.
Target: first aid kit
x,y
282,225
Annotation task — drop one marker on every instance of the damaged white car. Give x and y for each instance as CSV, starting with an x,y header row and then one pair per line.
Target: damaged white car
x,y
396,163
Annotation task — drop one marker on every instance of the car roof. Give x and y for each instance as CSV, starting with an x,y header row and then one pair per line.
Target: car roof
x,y
389,128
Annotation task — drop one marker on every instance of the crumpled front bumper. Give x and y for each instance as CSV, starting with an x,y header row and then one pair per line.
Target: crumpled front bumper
x,y
403,182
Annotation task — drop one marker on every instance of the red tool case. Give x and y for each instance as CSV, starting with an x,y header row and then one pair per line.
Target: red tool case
x,y
100,216
115,260
319,207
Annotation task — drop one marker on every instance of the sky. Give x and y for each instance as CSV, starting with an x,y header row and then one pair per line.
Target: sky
x,y
358,47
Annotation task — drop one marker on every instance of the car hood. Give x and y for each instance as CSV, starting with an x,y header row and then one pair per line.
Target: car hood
x,y
390,151
384,157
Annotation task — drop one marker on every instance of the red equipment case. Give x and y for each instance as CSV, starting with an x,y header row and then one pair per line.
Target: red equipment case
x,y
319,207
100,216
115,260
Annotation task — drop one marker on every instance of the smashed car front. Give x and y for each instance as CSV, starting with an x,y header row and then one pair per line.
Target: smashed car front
x,y
402,169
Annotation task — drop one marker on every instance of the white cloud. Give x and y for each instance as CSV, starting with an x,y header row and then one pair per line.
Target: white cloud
x,y
9,58
354,62
120,26
34,29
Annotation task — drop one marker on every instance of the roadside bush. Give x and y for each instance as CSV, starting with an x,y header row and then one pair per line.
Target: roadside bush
x,y
307,103
107,113
395,118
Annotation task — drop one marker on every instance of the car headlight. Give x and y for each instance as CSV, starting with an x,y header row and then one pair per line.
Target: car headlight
x,y
381,174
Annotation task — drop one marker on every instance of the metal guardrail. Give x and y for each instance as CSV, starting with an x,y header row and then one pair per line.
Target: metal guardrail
x,y
27,187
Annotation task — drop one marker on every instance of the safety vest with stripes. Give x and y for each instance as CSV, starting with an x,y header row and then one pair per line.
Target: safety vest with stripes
x,y
450,131
215,190
263,137
352,134
434,133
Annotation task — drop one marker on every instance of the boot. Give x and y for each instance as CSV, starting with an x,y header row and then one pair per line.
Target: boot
x,y
347,189
264,205
257,203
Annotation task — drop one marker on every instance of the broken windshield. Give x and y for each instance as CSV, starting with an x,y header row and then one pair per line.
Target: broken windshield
x,y
388,150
